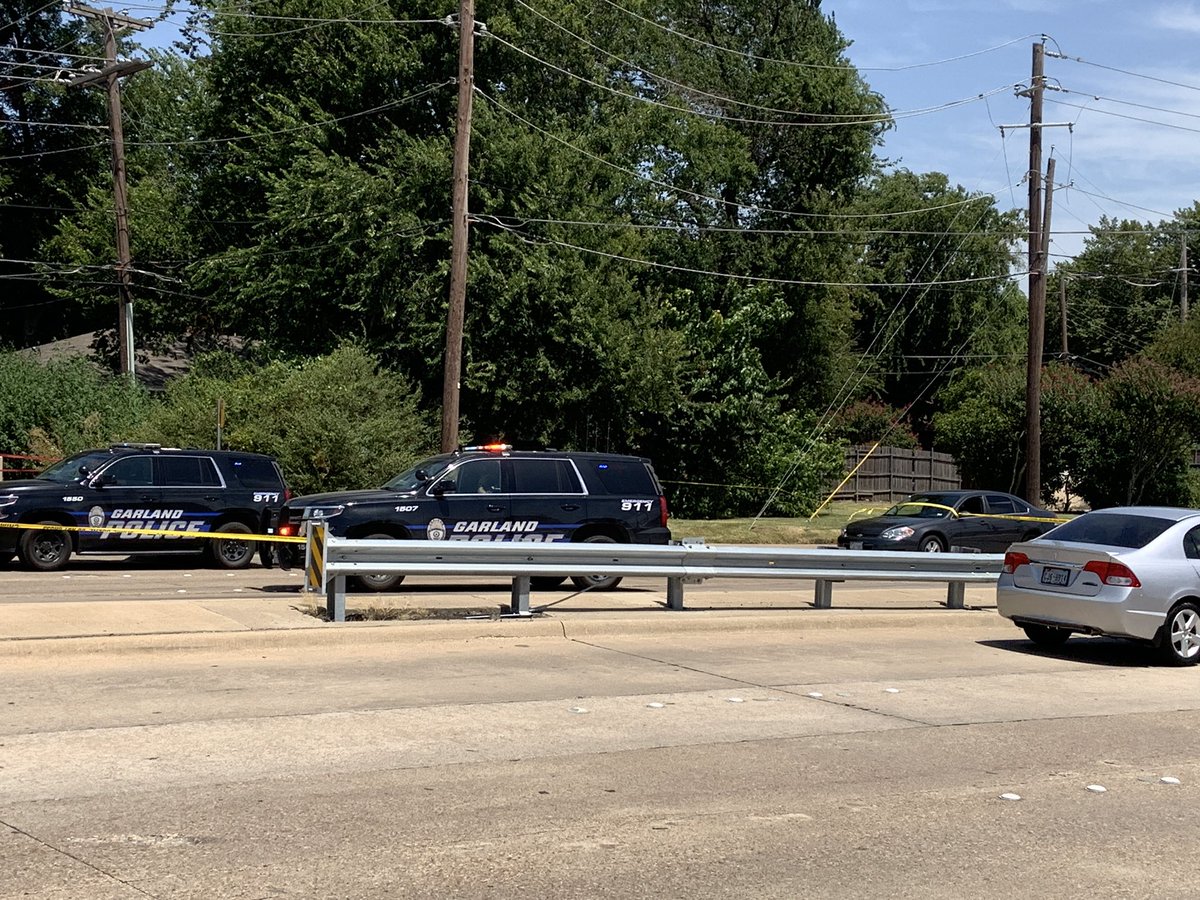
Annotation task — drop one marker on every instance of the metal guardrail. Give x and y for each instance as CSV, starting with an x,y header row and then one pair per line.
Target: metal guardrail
x,y
331,560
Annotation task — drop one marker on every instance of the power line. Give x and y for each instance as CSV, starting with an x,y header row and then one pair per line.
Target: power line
x,y
855,117
429,89
1080,59
752,278
847,121
801,65
716,200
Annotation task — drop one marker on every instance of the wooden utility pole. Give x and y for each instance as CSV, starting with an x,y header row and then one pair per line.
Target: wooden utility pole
x,y
452,368
110,76
1037,286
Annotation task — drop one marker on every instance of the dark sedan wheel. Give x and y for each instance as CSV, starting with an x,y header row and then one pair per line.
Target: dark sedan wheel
x,y
932,544
1046,635
43,549
1181,640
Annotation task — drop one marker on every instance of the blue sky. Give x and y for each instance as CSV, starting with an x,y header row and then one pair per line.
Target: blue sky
x,y
1129,155
1119,159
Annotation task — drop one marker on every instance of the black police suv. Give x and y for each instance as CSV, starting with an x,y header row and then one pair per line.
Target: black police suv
x,y
162,496
495,493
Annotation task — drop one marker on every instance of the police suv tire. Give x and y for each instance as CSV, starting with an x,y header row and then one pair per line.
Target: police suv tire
x,y
43,550
546,582
597,582
378,583
233,553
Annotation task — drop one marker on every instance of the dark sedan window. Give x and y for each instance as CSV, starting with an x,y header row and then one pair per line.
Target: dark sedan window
x,y
971,505
1001,505
921,508
1114,530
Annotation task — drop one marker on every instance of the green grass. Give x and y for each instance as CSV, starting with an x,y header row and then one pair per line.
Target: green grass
x,y
823,529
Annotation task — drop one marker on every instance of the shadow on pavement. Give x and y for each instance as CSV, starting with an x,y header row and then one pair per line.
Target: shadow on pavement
x,y
1092,651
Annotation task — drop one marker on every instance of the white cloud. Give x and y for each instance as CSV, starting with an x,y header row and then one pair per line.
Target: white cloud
x,y
1177,17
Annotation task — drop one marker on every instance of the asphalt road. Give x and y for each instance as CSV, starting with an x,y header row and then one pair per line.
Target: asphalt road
x,y
857,761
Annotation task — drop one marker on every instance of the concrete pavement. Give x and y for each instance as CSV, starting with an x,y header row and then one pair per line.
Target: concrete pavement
x,y
69,623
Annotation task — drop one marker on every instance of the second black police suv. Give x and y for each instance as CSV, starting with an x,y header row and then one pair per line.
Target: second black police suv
x,y
141,498
495,493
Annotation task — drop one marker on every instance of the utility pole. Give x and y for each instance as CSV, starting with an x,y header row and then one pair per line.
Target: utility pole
x,y
1037,286
459,229
1183,271
111,76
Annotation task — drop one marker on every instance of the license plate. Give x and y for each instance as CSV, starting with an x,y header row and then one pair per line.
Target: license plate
x,y
856,545
1055,576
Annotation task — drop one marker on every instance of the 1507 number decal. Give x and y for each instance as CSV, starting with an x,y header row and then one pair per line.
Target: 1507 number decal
x,y
646,505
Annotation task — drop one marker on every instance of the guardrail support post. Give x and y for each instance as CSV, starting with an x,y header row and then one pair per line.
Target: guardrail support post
x,y
956,595
823,596
335,598
674,593
520,596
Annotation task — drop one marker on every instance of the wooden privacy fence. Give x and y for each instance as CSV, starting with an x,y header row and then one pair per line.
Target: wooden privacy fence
x,y
21,465
892,473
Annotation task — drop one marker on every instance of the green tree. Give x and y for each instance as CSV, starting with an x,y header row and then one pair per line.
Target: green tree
x,y
336,422
53,142
1123,287
1149,426
64,406
950,253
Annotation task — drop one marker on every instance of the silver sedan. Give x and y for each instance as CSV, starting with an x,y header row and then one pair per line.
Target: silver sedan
x,y
1130,572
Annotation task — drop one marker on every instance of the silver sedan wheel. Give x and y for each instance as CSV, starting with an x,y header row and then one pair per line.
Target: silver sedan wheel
x,y
1183,638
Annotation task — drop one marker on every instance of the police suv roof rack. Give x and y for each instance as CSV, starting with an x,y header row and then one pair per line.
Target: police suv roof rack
x,y
134,445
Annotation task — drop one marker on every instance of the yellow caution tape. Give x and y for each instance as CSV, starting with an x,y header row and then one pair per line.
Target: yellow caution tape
x,y
225,535
965,515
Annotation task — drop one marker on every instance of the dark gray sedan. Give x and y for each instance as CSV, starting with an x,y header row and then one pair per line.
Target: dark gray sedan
x,y
937,521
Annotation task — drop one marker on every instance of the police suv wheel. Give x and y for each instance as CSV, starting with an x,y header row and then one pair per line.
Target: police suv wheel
x,y
44,550
597,582
233,553
378,583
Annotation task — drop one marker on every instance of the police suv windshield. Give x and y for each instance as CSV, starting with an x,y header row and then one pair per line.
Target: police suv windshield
x,y
73,468
422,472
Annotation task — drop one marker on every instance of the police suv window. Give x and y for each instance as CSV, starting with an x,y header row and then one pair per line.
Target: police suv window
x,y
625,477
545,476
258,474
186,471
131,471
476,477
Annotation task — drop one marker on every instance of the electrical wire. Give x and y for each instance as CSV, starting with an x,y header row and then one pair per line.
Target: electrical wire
x,y
892,114
716,200
757,279
800,65
1080,59
875,119
429,89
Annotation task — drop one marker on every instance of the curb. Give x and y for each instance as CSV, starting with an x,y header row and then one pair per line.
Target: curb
x,y
568,627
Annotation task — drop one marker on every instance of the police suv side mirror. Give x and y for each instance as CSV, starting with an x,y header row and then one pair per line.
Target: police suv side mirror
x,y
442,487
